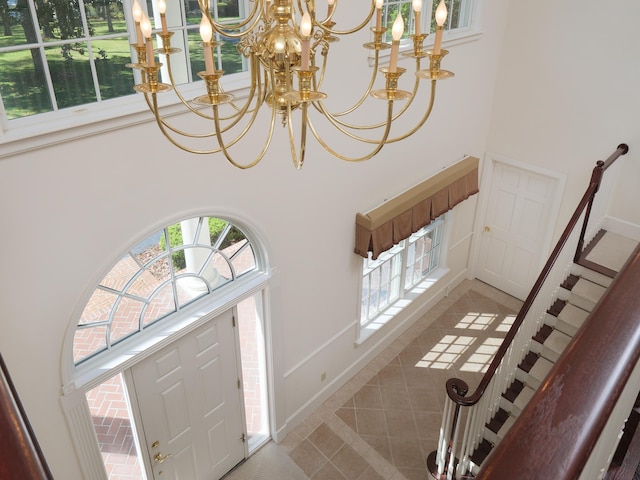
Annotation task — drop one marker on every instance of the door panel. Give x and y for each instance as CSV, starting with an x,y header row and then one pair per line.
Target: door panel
x,y
190,404
518,222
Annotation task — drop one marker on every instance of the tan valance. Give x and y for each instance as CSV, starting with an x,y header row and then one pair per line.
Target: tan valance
x,y
396,219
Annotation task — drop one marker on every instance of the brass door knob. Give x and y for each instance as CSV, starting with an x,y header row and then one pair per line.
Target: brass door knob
x,y
487,229
158,458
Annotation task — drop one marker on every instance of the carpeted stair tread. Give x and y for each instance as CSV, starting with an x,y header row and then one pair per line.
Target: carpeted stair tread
x,y
556,343
571,319
540,369
585,294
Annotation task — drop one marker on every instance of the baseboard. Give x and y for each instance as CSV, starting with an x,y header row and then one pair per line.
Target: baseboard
x,y
622,227
389,337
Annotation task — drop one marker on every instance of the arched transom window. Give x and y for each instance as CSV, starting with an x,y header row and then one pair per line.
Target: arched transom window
x,y
159,276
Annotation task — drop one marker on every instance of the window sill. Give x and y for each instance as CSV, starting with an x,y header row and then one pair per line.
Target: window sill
x,y
450,40
386,317
47,129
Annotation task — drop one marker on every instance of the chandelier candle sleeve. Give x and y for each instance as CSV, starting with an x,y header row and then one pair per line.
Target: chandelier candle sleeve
x,y
417,7
379,14
396,33
305,31
206,33
162,8
330,7
137,16
145,26
441,17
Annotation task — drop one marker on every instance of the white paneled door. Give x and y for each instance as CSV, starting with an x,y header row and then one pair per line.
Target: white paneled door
x,y
518,224
190,404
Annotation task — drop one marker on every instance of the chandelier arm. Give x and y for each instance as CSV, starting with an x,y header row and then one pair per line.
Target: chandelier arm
x,y
426,116
153,106
397,115
379,144
227,30
364,95
326,26
224,147
325,48
164,125
427,113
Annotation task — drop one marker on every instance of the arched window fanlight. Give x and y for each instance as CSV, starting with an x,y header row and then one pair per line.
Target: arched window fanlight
x,y
158,277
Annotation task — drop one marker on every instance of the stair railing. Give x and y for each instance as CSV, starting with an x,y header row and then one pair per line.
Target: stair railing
x,y
20,454
574,422
453,455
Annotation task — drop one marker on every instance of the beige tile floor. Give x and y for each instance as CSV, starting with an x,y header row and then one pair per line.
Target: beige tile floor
x,y
383,423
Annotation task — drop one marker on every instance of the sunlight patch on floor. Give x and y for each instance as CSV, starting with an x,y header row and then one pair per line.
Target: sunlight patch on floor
x,y
446,352
480,359
476,321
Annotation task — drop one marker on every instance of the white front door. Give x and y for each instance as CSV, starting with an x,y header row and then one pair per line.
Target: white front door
x,y
190,403
519,219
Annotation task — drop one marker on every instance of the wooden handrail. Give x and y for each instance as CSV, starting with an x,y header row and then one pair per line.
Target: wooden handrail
x,y
20,454
457,388
567,414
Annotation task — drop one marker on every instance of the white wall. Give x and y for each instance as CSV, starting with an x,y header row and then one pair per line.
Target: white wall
x,y
567,93
70,210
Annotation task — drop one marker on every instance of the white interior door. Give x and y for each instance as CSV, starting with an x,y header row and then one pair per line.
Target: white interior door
x,y
190,404
520,216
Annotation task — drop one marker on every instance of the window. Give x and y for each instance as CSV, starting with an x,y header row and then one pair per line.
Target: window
x,y
160,276
59,54
397,271
459,15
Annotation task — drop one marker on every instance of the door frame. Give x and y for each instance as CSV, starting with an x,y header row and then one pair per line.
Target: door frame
x,y
489,162
134,405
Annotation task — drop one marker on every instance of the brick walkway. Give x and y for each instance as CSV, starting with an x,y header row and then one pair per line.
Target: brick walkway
x,y
107,402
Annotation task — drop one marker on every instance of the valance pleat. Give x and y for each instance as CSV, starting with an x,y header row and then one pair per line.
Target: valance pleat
x,y
396,219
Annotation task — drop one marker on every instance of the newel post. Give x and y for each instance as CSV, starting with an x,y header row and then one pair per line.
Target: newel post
x,y
442,462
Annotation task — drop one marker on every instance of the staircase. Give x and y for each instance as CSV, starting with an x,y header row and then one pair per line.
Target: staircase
x,y
571,283
577,296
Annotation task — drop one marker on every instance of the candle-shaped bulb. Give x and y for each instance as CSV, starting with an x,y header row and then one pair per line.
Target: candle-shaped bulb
x,y
206,33
305,31
305,25
441,17
396,33
137,16
145,28
330,4
417,7
137,11
162,9
441,13
398,28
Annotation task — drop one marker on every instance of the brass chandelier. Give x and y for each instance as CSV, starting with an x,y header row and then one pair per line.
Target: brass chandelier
x,y
282,40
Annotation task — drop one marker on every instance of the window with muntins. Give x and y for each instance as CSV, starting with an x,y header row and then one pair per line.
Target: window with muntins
x,y
459,16
61,54
398,270
160,276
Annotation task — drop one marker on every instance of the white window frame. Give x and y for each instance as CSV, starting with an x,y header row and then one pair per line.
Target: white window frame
x,y
451,36
96,116
405,290
50,128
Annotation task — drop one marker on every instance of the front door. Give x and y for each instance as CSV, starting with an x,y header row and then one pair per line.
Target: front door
x,y
519,219
190,404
